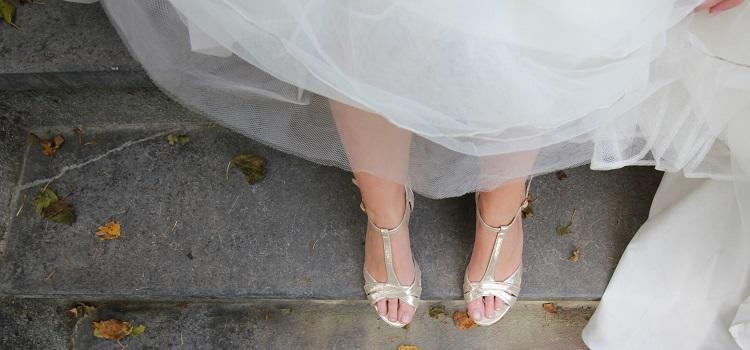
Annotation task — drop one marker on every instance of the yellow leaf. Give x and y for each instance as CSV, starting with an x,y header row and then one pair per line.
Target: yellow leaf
x,y
565,229
136,331
408,347
8,11
110,230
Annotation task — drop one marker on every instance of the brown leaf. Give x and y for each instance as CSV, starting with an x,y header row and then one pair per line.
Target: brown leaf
x,y
462,321
110,230
550,307
561,175
82,310
111,329
528,212
49,146
253,166
575,254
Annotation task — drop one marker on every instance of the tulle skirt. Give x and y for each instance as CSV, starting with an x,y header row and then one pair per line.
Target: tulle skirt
x,y
471,94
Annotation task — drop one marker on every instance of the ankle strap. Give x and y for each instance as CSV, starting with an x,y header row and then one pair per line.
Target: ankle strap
x,y
504,228
409,205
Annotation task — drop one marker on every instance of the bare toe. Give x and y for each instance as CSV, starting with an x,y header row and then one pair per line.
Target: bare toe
x,y
392,309
382,307
499,303
475,309
489,306
405,312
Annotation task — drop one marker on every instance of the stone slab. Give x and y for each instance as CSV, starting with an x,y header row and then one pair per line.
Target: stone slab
x,y
191,232
283,324
11,156
93,107
35,324
63,44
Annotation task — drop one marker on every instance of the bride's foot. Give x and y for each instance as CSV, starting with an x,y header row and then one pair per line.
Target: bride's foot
x,y
497,208
388,210
391,308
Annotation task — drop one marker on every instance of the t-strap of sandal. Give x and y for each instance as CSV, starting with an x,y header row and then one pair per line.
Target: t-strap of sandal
x,y
506,290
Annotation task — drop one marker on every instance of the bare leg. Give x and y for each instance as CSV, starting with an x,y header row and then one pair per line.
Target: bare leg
x,y
374,144
498,207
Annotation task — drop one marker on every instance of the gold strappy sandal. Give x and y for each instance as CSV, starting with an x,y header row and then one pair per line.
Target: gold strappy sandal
x,y
392,288
506,290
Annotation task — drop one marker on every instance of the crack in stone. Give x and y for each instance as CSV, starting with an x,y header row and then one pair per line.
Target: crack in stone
x,y
67,168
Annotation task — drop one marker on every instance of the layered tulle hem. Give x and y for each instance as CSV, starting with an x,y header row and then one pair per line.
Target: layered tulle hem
x,y
661,96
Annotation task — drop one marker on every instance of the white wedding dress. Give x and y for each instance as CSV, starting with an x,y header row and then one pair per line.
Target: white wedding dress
x,y
608,82
684,279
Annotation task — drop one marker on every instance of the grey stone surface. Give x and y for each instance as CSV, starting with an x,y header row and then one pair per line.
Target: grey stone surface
x,y
99,107
64,44
189,232
34,324
11,154
282,324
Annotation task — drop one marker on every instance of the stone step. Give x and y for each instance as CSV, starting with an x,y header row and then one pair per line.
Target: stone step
x,y
11,156
191,232
59,44
282,324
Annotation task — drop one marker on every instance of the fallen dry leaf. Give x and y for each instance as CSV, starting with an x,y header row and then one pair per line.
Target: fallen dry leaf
x,y
49,146
82,310
110,230
528,212
408,347
561,175
175,139
575,254
253,166
462,320
565,229
136,331
8,11
49,206
438,311
550,307
114,329
79,135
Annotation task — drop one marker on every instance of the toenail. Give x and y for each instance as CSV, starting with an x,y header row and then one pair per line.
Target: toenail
x,y
405,318
476,316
